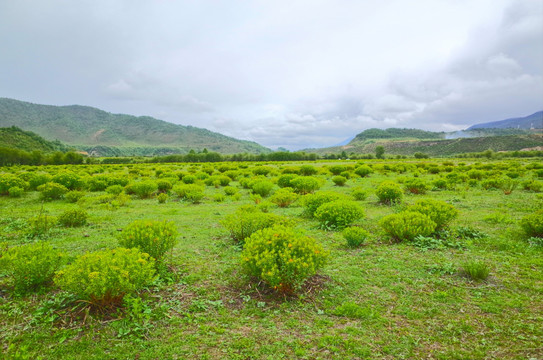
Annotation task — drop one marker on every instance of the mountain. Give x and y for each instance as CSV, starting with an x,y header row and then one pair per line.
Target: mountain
x,y
534,121
89,129
13,137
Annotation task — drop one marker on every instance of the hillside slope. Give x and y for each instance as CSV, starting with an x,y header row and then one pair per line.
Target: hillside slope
x,y
86,127
13,137
531,121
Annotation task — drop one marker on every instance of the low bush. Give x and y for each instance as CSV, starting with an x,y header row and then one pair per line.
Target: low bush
x,y
144,189
230,190
31,266
389,193
476,270
40,225
363,170
73,218
533,224
359,194
190,192
16,192
339,180
438,211
74,196
312,202
69,179
355,236
338,214
416,186
52,191
103,278
162,198
406,225
155,238
284,180
282,258
305,184
247,220
284,197
262,187
115,189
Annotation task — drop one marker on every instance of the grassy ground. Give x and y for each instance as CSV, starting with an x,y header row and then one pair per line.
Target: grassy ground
x,y
381,301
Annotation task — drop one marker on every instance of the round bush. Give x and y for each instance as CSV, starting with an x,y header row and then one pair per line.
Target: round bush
x,y
282,258
284,180
284,197
74,196
144,189
162,197
262,187
189,192
104,277
114,189
533,224
308,170
338,213
230,190
339,180
359,194
363,170
416,186
69,179
438,211
31,266
16,192
355,236
155,238
247,220
407,225
52,191
8,181
389,192
305,184
73,218
312,202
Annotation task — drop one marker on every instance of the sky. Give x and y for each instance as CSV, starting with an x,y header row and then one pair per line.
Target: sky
x,y
294,74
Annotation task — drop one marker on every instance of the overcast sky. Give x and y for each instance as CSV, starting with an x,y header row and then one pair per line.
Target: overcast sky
x,y
291,73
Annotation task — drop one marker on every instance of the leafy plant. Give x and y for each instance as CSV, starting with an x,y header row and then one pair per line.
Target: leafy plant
x,y
230,190
284,197
245,221
73,218
476,270
312,202
339,180
104,277
52,191
359,194
406,225
16,192
155,238
31,266
363,170
355,236
305,184
262,187
189,192
282,258
338,213
533,224
439,212
162,197
74,196
144,189
389,193
416,186
8,181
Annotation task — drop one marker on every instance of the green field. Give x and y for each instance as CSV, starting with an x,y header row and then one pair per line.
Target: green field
x,y
384,300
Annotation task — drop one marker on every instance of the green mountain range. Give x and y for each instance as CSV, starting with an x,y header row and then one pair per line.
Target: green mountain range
x,y
13,137
106,134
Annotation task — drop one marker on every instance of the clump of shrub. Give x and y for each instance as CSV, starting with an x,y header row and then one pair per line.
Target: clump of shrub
x,y
162,198
262,187
282,258
189,192
389,193
69,179
144,189
284,197
305,184
219,197
416,186
40,225
8,181
312,202
284,180
247,220
338,214
438,211
103,278
355,236
533,224
74,196
308,170
73,218
476,270
363,170
359,194
230,190
115,189
339,180
155,238
406,225
15,192
52,191
31,266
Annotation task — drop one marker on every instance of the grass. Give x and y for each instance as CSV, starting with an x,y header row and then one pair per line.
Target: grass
x,y
382,300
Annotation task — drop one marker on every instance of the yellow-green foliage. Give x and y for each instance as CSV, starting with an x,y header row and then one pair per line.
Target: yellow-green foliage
x,y
69,179
438,211
247,220
155,238
105,277
389,192
339,213
339,180
355,236
284,197
407,225
312,202
73,218
41,224
8,181
31,266
416,186
282,257
533,224
144,189
189,192
52,191
305,184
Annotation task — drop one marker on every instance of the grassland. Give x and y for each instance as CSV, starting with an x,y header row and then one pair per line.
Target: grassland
x,y
385,300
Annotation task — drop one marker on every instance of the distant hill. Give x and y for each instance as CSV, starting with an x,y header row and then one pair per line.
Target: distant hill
x,y
88,128
13,137
394,133
528,122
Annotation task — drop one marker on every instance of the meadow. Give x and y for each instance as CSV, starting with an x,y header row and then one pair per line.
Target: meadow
x,y
462,280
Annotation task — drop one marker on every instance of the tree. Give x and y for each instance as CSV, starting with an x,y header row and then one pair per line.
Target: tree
x,y
380,152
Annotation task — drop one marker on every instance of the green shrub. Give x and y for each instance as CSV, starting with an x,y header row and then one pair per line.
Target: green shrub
x,y
247,220
114,189
74,196
491,183
189,179
219,197
476,270
31,266
155,238
190,192
305,184
52,191
69,179
104,277
389,192
73,218
162,197
312,202
282,258
41,224
416,186
359,194
38,179
363,170
284,180
438,211
532,185
16,192
533,224
262,187
355,236
284,197
144,189
308,170
8,181
337,169
339,180
230,190
262,170
407,225
338,214
440,184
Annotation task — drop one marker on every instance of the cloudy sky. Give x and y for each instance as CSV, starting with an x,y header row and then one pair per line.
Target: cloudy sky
x,y
295,74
